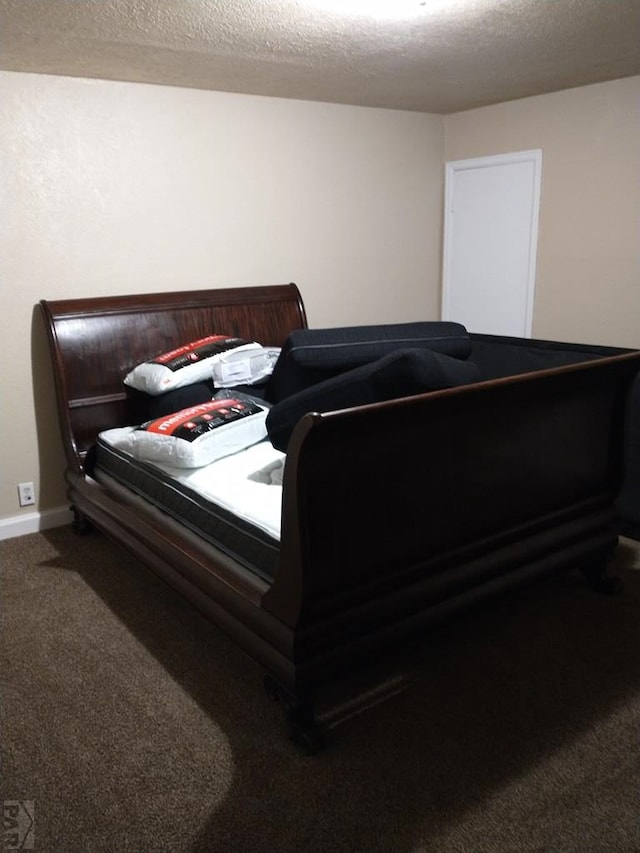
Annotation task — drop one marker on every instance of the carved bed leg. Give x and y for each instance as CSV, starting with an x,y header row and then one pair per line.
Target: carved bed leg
x,y
80,524
599,578
303,728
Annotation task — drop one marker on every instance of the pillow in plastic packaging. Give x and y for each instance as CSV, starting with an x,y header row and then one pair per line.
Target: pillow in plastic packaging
x,y
198,435
244,366
185,365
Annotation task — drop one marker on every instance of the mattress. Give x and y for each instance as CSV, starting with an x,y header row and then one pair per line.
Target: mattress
x,y
235,503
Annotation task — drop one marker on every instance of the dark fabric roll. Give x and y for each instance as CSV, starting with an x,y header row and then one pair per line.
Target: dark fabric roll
x,y
310,356
400,374
143,407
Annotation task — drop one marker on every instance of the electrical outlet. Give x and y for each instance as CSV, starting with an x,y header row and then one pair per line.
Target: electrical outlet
x,y
26,494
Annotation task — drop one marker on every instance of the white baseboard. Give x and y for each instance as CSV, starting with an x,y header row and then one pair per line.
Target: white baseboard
x,y
32,522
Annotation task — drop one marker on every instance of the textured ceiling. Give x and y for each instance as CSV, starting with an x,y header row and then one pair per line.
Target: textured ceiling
x,y
442,56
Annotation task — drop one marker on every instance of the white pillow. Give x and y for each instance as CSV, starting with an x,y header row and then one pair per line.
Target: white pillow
x,y
185,365
243,365
198,435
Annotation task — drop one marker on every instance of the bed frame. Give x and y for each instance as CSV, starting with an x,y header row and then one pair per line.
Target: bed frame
x,y
395,515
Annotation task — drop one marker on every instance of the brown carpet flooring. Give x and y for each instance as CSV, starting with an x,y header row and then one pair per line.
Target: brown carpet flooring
x,y
132,724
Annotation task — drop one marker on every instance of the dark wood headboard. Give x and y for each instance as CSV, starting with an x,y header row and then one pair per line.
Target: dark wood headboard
x,y
95,341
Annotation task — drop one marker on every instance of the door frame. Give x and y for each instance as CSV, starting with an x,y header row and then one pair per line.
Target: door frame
x,y
533,156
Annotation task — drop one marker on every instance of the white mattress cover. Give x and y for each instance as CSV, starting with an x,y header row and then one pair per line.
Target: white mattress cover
x,y
247,483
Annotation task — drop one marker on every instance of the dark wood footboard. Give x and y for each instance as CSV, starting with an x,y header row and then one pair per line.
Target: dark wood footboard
x,y
400,513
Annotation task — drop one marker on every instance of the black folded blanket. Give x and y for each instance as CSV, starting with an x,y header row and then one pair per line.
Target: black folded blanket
x,y
310,356
400,374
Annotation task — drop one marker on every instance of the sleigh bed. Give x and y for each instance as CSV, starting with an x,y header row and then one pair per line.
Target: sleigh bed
x,y
390,515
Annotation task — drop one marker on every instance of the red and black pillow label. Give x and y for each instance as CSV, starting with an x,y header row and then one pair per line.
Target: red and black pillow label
x,y
196,421
197,350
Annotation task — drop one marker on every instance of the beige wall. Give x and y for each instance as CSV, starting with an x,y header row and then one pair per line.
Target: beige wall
x,y
114,187
588,263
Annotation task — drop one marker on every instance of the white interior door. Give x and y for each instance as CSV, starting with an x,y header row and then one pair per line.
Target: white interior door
x,y
490,241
